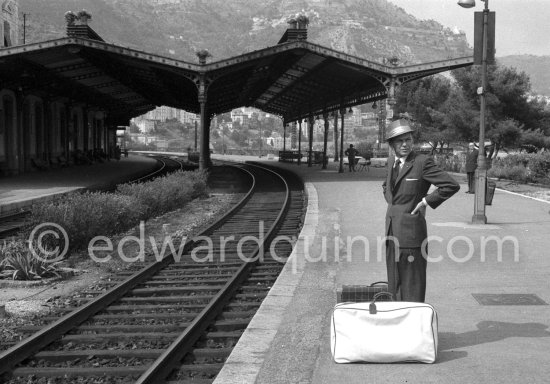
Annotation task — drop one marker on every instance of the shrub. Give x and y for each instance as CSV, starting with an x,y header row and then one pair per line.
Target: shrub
x,y
84,216
525,167
449,163
540,166
166,193
18,262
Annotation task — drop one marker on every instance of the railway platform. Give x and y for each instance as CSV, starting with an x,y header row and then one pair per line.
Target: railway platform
x,y
20,192
488,283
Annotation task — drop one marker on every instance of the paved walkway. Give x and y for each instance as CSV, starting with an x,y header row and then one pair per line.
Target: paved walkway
x,y
288,340
20,191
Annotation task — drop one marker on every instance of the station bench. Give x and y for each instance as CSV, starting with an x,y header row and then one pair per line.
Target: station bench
x,y
289,156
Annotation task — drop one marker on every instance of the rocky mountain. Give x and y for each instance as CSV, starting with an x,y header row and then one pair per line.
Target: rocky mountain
x,y
535,66
372,29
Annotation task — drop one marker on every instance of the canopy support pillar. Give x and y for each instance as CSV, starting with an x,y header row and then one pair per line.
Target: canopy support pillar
x,y
300,142
336,136
341,168
325,140
310,122
204,150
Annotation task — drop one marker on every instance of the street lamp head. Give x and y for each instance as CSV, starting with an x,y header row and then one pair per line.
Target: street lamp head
x,y
467,3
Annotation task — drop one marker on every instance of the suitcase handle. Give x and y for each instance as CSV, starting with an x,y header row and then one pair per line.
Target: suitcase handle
x,y
372,306
379,282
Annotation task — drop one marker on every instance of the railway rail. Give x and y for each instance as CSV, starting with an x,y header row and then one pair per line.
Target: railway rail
x,y
176,319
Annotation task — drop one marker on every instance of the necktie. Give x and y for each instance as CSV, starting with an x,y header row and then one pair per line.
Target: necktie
x,y
395,172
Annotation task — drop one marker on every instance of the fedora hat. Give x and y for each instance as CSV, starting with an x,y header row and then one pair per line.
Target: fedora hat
x,y
398,128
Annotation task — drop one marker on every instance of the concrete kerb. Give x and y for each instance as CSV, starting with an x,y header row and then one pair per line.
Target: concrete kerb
x,y
24,203
247,358
519,194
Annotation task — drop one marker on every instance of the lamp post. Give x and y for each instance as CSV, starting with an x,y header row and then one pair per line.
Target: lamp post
x,y
479,216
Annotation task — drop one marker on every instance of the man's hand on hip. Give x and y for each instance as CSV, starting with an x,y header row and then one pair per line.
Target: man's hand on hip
x,y
420,207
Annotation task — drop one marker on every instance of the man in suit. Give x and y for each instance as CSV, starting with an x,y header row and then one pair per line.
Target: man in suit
x,y
408,180
350,153
471,165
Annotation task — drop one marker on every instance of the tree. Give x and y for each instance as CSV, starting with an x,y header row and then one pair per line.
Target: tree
x,y
429,101
506,94
533,140
134,128
416,97
505,134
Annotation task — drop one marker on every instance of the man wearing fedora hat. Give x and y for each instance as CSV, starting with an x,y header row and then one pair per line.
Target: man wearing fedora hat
x,y
471,166
408,180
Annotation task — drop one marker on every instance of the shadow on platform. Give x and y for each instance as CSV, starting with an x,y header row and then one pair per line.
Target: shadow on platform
x,y
486,332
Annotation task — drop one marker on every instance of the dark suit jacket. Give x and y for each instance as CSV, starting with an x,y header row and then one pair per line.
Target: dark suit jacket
x,y
471,160
415,178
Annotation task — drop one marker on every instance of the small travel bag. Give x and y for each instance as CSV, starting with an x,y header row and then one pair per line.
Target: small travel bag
x,y
384,332
361,293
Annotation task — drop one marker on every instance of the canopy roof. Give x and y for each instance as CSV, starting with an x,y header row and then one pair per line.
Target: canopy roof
x,y
292,79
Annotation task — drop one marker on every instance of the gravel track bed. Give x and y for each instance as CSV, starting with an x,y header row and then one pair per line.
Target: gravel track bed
x,y
111,345
74,380
91,362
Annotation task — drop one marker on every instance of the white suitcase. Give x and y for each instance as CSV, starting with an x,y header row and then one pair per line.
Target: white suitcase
x,y
384,332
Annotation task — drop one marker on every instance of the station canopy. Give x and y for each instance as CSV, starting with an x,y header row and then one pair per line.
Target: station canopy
x,y
293,79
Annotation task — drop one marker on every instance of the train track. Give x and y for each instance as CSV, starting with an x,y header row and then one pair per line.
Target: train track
x,y
12,223
175,320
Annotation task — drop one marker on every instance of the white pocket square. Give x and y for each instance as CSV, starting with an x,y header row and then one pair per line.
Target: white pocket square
x,y
411,179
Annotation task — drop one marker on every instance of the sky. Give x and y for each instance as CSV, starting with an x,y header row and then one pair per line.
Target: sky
x,y
522,26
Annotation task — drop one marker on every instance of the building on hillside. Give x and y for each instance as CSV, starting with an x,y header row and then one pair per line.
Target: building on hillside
x,y
164,113
9,23
144,125
143,138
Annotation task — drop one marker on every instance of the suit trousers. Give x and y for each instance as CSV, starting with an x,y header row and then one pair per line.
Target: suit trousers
x,y
471,181
406,273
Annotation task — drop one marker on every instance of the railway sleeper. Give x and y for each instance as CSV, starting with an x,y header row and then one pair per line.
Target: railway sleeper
x,y
102,329
131,309
185,283
182,299
69,372
59,356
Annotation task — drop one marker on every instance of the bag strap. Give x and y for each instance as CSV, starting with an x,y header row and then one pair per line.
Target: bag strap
x,y
372,306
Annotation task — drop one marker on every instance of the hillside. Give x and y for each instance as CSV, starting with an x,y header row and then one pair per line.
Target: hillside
x,y
535,66
373,29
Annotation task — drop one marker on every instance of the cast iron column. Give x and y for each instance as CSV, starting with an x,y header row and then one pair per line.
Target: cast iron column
x,y
325,161
284,136
310,133
300,141
341,168
335,136
204,147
